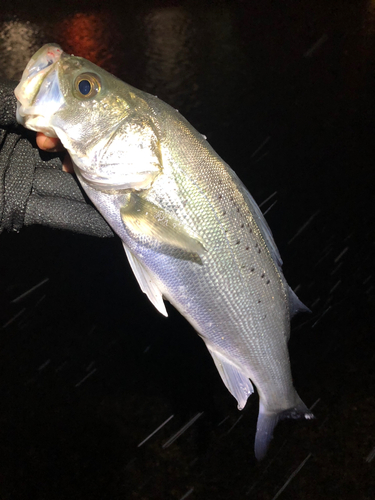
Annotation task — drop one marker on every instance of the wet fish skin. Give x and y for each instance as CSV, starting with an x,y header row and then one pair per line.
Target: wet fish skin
x,y
191,231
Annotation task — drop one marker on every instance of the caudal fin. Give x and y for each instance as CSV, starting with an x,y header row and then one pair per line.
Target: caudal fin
x,y
267,421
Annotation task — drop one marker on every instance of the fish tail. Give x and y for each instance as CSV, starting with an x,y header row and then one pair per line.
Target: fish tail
x,y
267,421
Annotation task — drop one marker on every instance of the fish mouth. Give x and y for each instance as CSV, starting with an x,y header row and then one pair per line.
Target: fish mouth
x,y
38,94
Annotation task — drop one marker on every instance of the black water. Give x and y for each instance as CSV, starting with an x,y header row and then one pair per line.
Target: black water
x,y
284,92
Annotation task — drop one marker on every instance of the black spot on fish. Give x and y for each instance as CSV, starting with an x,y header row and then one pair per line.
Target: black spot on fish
x,y
267,282
219,196
238,209
259,301
252,269
224,212
258,250
263,275
242,225
247,248
237,242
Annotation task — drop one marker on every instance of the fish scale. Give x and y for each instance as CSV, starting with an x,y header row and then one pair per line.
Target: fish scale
x,y
230,317
191,231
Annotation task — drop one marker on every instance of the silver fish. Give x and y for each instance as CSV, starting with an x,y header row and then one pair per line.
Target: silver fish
x,y
192,232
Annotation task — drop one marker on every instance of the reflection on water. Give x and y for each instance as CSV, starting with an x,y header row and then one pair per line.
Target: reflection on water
x,y
18,41
169,34
91,35
299,127
188,55
370,17
179,54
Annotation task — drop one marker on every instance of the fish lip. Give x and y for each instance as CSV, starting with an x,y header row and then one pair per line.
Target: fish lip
x,y
38,65
43,58
39,79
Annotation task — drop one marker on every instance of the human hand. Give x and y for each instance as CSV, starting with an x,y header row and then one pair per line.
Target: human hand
x,y
36,186
53,145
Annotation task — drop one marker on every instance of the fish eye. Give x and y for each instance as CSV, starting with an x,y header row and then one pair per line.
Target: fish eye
x,y
87,85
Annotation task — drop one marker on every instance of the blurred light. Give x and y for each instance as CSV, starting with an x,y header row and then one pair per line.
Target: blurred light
x,y
369,26
169,34
91,36
18,41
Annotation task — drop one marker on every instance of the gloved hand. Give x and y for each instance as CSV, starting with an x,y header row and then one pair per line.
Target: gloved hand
x,y
33,187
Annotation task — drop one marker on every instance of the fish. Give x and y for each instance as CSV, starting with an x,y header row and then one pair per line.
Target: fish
x,y
192,232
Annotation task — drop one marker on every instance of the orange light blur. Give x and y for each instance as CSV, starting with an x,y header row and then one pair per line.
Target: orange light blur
x,y
91,36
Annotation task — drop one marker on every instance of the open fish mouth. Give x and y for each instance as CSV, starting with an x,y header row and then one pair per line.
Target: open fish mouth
x,y
38,93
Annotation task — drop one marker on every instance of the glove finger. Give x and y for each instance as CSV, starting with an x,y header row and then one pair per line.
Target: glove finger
x,y
67,214
8,104
55,183
17,173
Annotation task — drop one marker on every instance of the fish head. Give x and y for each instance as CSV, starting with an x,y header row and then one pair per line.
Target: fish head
x,y
84,106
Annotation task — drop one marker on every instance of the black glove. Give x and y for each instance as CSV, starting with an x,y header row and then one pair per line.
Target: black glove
x,y
33,187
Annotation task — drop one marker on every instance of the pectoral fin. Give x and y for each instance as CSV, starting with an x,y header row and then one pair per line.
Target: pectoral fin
x,y
236,382
148,220
146,282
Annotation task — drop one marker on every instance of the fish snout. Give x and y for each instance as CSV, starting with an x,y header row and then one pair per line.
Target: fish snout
x,y
36,70
38,93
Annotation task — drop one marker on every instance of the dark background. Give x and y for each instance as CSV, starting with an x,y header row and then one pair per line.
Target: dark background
x,y
284,91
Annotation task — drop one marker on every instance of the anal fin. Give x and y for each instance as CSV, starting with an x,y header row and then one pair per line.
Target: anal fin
x,y
236,382
146,282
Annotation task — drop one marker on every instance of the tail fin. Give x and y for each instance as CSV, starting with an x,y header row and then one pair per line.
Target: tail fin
x,y
267,421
